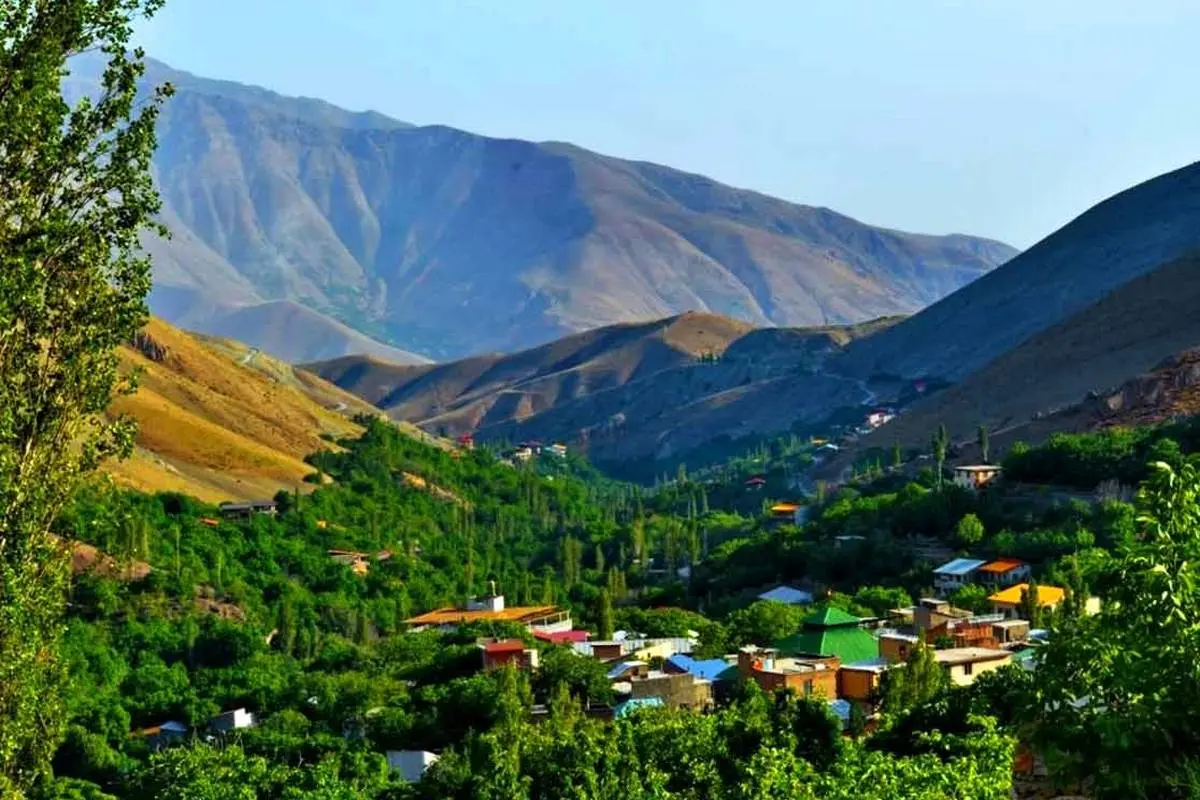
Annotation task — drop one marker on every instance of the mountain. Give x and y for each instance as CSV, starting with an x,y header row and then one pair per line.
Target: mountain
x,y
624,392
1081,372
449,244
1122,238
221,421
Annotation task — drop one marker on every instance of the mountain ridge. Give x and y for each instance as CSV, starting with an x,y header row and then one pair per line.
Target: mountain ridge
x,y
447,243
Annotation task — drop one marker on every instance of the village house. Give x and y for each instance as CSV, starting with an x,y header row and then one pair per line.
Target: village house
x,y
545,619
410,764
955,574
163,734
975,477
635,648
633,704
788,595
237,719
557,449
623,671
755,483
562,637
895,646
1010,631
247,510
831,632
880,417
496,653
965,664
359,563
1003,572
787,512
675,690
806,676
861,682
1009,601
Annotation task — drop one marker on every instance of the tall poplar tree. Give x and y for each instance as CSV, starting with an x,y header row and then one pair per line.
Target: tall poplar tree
x,y
75,194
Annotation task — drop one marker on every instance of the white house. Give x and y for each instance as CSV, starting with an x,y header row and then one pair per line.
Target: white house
x,y
956,573
233,720
975,477
411,764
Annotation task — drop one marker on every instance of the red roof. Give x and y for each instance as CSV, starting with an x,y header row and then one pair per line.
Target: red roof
x,y
755,481
505,646
563,637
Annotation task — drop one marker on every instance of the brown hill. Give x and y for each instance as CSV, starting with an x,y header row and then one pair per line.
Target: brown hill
x,y
221,421
1079,373
624,391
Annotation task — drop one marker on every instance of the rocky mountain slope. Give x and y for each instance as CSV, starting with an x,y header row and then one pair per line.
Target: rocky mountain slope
x,y
220,421
645,390
449,244
1122,238
1078,373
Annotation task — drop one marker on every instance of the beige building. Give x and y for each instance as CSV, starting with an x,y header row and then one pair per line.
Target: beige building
x,y
965,664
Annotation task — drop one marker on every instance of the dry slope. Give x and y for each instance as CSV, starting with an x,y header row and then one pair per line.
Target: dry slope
x,y
219,421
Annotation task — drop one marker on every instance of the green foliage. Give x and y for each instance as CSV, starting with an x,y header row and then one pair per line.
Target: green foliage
x,y
1115,696
763,622
920,680
972,597
969,531
76,193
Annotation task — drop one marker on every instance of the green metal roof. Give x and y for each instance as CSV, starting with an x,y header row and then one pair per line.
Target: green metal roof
x,y
828,616
847,643
830,631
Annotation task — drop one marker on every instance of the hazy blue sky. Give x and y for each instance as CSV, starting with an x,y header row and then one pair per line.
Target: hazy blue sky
x,y
1000,118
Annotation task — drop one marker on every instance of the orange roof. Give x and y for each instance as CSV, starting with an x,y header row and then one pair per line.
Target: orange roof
x,y
1047,595
784,508
444,616
504,646
1001,566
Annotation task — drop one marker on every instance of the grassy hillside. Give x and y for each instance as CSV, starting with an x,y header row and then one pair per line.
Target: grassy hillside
x,y
219,421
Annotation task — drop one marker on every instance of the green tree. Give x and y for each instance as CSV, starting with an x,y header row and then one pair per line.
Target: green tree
x,y
897,456
75,193
985,445
1031,605
920,680
604,615
940,445
1114,699
969,531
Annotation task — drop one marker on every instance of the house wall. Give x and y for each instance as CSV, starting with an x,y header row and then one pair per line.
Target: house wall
x,y
819,682
857,684
677,691
965,674
894,649
606,652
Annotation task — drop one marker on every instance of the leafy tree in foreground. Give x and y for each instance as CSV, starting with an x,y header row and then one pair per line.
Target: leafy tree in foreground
x,y
75,193
969,531
920,680
1116,694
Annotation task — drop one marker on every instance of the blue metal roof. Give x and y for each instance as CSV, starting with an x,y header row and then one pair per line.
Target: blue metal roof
x,y
959,566
616,670
786,594
709,670
635,703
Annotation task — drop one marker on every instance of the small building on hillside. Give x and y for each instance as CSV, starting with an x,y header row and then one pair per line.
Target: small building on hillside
x,y
562,637
880,417
466,441
956,574
547,619
247,510
557,449
933,612
976,476
675,690
163,734
965,664
896,646
755,483
496,653
1003,572
237,719
808,676
626,670
831,632
410,764
861,682
788,595
709,669
786,512
1009,601
635,648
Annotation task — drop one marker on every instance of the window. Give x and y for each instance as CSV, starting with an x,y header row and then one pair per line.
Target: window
x,y
968,668
808,688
